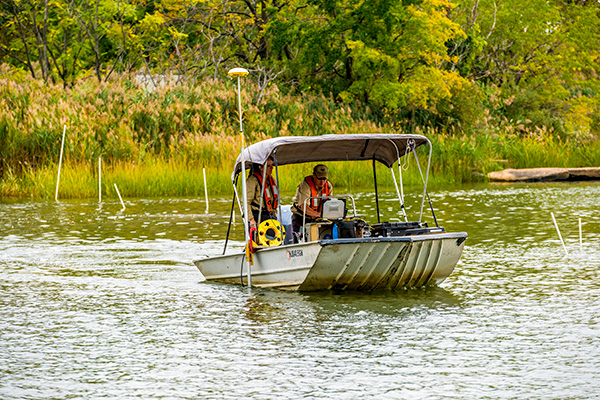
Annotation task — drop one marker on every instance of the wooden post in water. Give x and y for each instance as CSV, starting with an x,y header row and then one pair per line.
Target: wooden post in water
x,y
62,146
205,189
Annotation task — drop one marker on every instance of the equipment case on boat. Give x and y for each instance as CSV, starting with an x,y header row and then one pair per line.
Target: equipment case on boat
x,y
390,229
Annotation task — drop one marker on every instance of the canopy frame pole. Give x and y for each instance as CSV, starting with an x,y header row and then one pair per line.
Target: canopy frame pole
x,y
400,196
401,193
402,189
376,192
237,196
279,213
262,191
231,214
425,194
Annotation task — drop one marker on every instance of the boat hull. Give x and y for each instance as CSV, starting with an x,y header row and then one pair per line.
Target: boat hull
x,y
345,264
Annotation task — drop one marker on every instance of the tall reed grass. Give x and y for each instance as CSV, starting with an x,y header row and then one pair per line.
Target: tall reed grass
x,y
454,161
156,143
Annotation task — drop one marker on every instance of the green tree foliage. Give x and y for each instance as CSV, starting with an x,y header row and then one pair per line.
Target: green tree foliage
x,y
543,55
466,65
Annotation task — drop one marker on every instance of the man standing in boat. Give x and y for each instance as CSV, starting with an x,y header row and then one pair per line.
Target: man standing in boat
x,y
315,185
270,195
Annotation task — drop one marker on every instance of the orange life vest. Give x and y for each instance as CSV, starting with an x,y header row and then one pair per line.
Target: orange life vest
x,y
271,198
316,203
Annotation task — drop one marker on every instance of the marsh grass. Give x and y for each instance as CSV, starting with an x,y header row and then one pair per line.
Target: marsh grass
x,y
172,178
156,144
454,160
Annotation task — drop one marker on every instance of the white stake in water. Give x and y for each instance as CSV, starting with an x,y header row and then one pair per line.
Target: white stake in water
x,y
100,179
559,235
120,198
580,237
205,189
62,146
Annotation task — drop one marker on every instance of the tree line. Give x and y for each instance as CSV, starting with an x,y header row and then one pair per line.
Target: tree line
x,y
450,65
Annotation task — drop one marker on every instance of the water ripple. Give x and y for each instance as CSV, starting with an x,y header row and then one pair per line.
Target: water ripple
x,y
101,303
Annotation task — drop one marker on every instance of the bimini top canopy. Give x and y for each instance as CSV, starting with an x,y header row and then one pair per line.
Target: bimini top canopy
x,y
383,147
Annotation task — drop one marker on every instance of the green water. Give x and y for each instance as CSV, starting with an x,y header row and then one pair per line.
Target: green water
x,y
99,302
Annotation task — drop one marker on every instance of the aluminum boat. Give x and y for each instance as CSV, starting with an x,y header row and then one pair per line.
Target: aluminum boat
x,y
340,251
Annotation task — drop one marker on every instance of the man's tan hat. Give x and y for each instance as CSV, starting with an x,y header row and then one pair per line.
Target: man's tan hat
x,y
320,171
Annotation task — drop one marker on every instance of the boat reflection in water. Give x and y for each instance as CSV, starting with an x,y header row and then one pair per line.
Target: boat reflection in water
x,y
341,251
